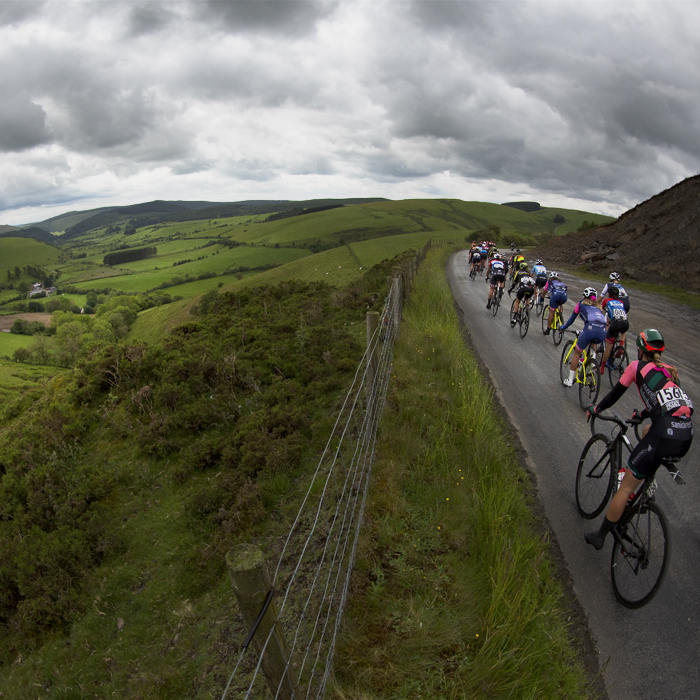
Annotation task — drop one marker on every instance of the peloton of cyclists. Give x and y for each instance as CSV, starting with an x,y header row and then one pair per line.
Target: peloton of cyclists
x,y
557,297
498,268
539,272
616,317
593,328
526,287
670,433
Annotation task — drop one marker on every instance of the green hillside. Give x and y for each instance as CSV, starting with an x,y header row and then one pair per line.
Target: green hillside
x,y
18,252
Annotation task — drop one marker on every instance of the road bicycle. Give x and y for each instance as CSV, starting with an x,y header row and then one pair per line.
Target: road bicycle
x,y
587,376
642,546
556,331
496,300
539,302
618,361
522,317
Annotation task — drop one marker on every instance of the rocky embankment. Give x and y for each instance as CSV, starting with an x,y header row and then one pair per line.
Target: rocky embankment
x,y
658,241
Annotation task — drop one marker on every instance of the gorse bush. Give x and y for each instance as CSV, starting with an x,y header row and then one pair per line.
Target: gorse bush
x,y
233,392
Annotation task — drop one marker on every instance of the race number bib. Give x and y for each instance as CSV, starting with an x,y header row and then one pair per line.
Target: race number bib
x,y
673,397
619,315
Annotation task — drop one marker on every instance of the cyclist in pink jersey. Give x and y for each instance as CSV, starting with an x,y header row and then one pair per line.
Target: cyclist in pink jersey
x,y
670,433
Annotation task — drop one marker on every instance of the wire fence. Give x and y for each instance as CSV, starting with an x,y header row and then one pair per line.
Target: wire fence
x,y
311,578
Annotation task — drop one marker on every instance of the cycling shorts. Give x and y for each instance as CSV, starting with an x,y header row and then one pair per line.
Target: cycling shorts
x,y
495,279
655,445
541,280
615,327
557,298
525,292
590,334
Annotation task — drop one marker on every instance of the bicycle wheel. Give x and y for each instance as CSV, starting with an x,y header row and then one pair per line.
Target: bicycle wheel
x,y
495,303
590,386
512,314
524,321
640,558
620,362
557,332
565,361
545,320
539,306
594,477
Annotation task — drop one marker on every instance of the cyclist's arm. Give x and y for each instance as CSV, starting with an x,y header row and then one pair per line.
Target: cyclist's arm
x,y
626,380
572,318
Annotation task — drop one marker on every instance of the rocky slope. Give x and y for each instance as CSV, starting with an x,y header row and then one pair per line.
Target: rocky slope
x,y
658,241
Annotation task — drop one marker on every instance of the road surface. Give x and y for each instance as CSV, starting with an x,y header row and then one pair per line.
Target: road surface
x,y
653,652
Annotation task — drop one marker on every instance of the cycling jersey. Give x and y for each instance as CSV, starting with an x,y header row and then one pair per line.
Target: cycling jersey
x,y
538,270
623,296
557,291
497,270
669,408
593,325
614,309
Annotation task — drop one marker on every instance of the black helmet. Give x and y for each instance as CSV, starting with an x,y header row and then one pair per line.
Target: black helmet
x,y
613,291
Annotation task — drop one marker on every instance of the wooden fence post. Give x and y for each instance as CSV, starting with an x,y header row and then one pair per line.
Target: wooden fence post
x,y
251,584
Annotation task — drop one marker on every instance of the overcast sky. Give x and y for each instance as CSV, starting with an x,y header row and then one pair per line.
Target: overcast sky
x,y
575,104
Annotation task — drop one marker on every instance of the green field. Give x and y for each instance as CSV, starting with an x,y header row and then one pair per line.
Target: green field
x,y
9,342
17,252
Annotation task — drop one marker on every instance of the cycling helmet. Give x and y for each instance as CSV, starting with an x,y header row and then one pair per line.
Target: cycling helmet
x,y
650,340
613,291
553,275
590,293
614,277
538,262
522,265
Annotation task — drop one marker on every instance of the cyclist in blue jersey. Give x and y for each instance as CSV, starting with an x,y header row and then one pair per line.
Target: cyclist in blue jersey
x,y
593,328
539,272
617,322
557,297
615,282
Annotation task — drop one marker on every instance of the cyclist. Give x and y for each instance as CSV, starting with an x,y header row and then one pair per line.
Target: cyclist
x,y
539,272
593,328
498,268
526,287
512,245
617,323
670,433
557,296
484,254
515,261
475,259
615,282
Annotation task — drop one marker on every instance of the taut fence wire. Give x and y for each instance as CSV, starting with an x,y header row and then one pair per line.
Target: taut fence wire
x,y
295,613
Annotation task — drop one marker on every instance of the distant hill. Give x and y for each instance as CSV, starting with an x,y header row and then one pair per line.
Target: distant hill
x,y
38,234
5,229
657,241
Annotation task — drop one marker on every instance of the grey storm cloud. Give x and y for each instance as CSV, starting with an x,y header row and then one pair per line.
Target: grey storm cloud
x,y
590,102
22,124
286,17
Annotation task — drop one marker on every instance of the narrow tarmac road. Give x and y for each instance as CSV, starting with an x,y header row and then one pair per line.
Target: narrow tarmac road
x,y
653,652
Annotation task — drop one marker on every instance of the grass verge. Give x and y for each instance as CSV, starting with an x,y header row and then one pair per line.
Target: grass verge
x,y
454,593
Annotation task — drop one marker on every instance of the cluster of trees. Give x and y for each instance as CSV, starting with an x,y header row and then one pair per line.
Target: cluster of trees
x,y
129,255
587,225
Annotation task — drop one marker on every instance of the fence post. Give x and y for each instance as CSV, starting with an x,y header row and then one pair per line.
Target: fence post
x,y
372,339
251,584
399,296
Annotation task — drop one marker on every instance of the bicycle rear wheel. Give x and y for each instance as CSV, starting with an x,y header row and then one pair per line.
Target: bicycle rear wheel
x,y
512,314
545,319
565,362
524,321
594,477
640,558
495,303
620,360
557,332
539,306
589,388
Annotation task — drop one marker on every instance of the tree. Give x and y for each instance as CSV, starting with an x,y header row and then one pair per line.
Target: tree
x,y
21,355
559,219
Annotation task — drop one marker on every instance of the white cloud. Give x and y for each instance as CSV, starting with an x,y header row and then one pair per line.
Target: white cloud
x,y
591,105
